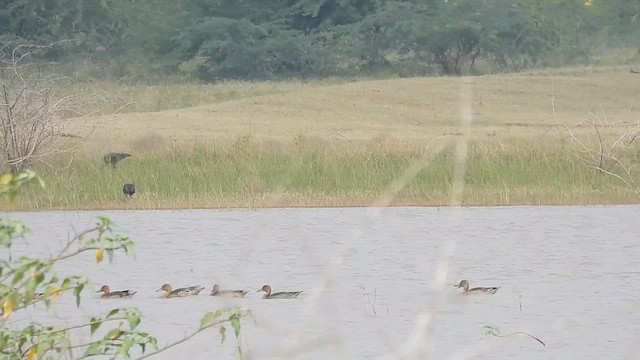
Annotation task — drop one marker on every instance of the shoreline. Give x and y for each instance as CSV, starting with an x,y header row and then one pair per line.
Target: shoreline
x,y
320,177
322,206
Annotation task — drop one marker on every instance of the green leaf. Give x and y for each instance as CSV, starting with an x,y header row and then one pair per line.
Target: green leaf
x,y
153,341
105,225
219,312
113,334
95,324
76,291
125,347
93,349
206,319
39,278
223,335
133,319
235,323
112,312
130,250
18,275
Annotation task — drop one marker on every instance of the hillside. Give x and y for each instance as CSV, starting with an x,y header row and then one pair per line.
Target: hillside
x,y
414,109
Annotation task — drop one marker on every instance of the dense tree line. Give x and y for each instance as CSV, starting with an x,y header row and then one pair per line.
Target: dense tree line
x,y
256,39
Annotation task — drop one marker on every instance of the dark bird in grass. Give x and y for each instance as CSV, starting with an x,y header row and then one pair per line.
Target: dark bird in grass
x,y
129,189
113,158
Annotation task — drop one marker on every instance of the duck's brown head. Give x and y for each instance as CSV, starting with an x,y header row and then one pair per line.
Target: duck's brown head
x,y
265,288
104,289
463,284
165,287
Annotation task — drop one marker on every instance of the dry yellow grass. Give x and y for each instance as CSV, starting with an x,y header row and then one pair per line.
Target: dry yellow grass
x,y
416,109
326,144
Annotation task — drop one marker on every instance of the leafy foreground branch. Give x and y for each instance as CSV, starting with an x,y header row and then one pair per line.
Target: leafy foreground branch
x,y
21,278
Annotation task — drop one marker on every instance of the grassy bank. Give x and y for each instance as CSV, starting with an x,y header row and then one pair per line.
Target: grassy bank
x,y
315,173
343,143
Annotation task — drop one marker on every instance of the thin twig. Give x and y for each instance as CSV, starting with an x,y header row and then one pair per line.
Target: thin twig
x,y
366,294
213,324
123,106
495,332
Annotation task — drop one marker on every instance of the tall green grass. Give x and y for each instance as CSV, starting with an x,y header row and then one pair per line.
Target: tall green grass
x,y
323,174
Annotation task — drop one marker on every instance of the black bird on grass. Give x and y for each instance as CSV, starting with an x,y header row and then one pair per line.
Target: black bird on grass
x,y
129,189
113,158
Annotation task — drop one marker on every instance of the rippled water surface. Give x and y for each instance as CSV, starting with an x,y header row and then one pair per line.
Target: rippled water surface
x,y
569,275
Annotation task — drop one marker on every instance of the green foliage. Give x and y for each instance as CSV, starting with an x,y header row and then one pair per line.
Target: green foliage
x,y
10,183
221,316
119,340
22,277
453,45
253,39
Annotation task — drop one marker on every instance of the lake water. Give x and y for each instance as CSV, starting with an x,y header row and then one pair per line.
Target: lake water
x,y
569,276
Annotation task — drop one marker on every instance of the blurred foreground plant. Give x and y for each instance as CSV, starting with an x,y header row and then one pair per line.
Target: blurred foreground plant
x,y
20,279
495,331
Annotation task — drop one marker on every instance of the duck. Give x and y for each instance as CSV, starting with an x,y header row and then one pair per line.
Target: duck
x,y
182,292
464,284
227,293
278,295
107,293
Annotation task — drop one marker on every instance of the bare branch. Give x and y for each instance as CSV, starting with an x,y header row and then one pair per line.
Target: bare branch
x,y
605,159
32,111
185,339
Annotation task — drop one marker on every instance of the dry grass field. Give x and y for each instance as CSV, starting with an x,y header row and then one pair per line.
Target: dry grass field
x,y
415,109
341,143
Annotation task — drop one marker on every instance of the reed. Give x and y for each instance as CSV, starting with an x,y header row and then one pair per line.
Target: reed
x,y
324,173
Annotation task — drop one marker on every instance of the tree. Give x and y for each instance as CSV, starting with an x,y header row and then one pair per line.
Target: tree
x,y
229,48
372,38
449,35
32,110
128,38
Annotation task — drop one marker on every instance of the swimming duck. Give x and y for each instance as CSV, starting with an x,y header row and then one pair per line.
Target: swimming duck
x,y
107,293
182,292
478,290
227,293
278,295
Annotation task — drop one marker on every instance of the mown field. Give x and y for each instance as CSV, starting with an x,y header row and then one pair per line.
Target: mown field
x,y
345,143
